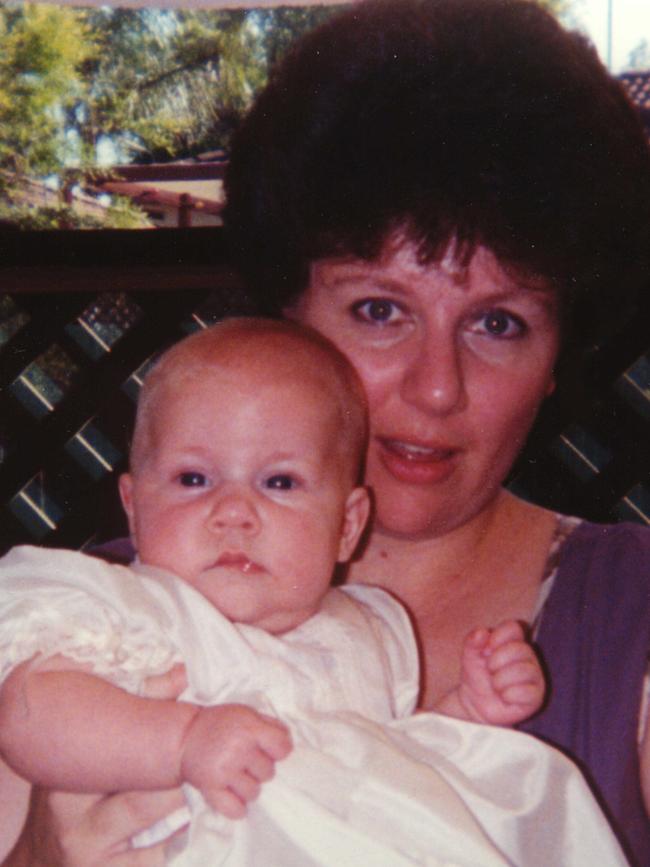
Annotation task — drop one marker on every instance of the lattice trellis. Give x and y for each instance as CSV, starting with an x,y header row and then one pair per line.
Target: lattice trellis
x,y
71,363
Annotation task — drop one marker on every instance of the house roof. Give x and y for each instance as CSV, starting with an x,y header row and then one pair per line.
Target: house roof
x,y
188,184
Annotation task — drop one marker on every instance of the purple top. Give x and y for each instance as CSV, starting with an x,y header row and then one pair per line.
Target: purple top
x,y
594,638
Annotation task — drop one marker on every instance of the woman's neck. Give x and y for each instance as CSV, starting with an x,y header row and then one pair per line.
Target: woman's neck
x,y
476,556
480,574
390,560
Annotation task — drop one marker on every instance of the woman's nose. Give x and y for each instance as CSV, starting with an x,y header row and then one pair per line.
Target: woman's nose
x,y
233,510
433,380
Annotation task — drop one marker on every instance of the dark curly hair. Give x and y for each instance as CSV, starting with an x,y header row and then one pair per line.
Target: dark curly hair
x,y
479,120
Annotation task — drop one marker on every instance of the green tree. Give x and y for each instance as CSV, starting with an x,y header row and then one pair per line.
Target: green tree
x,y
280,26
141,84
164,79
43,49
145,84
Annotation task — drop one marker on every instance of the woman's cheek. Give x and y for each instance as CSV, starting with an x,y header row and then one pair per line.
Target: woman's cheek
x,y
379,372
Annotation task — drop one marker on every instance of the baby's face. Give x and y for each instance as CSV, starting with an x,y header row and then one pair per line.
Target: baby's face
x,y
244,494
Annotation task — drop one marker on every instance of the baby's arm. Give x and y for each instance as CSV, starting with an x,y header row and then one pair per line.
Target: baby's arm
x,y
67,729
501,678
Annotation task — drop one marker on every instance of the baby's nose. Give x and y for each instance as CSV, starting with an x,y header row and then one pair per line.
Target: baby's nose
x,y
234,511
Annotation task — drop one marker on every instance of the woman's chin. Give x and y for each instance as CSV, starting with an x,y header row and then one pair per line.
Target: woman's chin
x,y
412,527
415,514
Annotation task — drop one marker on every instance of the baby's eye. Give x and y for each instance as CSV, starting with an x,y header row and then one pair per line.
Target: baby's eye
x,y
377,311
499,323
281,482
192,480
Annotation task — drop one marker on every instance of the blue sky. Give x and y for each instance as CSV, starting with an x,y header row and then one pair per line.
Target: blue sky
x,y
630,24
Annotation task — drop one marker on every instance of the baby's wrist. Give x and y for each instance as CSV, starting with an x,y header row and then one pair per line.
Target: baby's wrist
x,y
191,714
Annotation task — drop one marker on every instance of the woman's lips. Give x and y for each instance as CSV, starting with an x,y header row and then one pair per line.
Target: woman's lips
x,y
416,464
240,562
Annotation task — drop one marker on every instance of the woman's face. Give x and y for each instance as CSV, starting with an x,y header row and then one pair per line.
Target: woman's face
x,y
455,364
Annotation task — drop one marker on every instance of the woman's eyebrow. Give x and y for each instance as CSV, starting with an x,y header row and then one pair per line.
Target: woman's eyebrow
x,y
379,282
544,299
515,288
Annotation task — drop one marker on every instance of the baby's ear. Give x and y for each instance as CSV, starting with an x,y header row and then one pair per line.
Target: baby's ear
x,y
357,510
125,484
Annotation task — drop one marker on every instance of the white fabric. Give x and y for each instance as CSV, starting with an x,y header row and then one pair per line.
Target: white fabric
x,y
366,784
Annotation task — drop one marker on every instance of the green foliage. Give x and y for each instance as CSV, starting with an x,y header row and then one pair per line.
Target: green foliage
x,y
43,48
282,25
148,84
163,79
120,214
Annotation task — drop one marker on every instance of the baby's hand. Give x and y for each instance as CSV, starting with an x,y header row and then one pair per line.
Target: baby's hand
x,y
502,681
229,751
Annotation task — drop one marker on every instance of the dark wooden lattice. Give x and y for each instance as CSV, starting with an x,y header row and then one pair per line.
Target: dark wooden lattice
x,y
71,360
81,316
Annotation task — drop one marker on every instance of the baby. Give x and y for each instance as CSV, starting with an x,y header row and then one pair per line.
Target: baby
x,y
243,493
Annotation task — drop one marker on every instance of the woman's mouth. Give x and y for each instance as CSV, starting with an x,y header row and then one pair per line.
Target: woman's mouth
x,y
417,464
240,562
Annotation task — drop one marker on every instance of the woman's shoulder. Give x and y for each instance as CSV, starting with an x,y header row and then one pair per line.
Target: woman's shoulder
x,y
604,568
600,546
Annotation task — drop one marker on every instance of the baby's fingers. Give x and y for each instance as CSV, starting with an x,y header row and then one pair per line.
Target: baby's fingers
x,y
477,640
261,767
519,671
274,738
504,633
245,787
523,694
227,802
231,801
511,653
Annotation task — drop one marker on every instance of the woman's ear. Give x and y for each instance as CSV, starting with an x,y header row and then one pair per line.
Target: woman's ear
x,y
357,510
125,484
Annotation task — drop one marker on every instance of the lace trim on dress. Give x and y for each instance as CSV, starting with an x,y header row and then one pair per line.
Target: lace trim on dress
x,y
86,632
111,651
565,525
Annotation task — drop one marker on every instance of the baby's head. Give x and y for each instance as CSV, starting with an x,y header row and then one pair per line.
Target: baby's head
x,y
245,468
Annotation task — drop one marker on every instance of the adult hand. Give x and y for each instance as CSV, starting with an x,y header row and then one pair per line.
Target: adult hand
x,y
69,830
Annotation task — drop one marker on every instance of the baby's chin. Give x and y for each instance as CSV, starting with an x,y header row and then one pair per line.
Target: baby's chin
x,y
257,613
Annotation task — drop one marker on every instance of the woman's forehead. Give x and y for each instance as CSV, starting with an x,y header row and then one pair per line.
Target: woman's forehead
x,y
401,259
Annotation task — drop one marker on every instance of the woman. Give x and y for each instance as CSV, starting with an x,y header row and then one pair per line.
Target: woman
x,y
458,195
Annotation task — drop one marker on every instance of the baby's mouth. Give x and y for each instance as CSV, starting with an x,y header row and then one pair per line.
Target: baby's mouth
x,y
239,561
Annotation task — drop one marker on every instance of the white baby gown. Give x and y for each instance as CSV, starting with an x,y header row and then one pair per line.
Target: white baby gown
x,y
368,784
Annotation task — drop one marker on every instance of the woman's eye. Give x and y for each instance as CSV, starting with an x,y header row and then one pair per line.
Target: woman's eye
x,y
192,480
281,482
379,311
499,323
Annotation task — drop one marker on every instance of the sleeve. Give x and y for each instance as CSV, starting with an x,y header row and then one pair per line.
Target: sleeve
x,y
395,645
64,602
